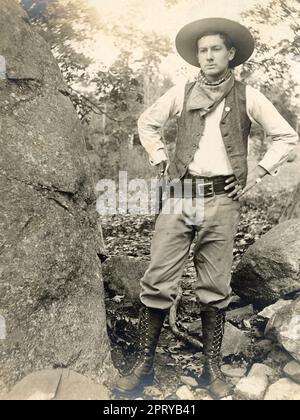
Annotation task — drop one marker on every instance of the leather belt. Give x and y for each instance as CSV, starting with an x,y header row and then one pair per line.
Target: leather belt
x,y
192,187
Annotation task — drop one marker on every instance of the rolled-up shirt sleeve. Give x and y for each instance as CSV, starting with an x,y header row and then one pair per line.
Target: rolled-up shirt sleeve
x,y
152,121
284,137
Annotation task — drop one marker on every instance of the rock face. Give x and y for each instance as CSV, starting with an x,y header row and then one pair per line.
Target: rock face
x,y
51,291
270,269
284,327
122,276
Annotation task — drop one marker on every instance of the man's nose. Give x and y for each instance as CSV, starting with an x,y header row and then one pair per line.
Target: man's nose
x,y
209,55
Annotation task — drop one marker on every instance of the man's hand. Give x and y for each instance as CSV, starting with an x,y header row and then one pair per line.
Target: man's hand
x,y
257,173
161,167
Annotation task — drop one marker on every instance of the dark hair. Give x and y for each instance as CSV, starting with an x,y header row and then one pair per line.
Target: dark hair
x,y
226,38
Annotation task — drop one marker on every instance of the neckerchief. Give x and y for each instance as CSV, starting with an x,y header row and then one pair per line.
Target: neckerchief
x,y
206,96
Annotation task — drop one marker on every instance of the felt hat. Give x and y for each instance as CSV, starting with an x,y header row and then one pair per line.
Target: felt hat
x,y
188,36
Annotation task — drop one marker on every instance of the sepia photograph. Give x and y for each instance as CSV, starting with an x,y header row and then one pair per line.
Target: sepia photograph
x,y
150,203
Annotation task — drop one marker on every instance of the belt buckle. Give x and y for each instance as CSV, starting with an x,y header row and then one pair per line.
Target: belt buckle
x,y
202,191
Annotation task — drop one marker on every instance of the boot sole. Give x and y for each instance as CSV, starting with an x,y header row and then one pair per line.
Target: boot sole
x,y
136,392
204,383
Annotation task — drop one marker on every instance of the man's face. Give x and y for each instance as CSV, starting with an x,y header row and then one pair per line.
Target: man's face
x,y
213,56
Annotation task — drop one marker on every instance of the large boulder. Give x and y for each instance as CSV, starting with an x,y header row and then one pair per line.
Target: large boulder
x,y
51,290
284,327
270,269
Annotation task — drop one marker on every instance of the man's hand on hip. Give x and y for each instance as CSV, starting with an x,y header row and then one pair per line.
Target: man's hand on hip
x,y
254,178
161,167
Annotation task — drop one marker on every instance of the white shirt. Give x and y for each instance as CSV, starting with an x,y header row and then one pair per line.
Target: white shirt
x,y
211,157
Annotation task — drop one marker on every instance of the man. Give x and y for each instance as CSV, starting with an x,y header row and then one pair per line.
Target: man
x,y
214,118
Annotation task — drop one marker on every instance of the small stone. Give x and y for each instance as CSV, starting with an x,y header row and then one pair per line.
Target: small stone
x,y
152,391
271,310
234,372
259,369
235,341
283,390
183,393
279,355
202,395
292,370
265,346
240,314
247,324
253,387
189,381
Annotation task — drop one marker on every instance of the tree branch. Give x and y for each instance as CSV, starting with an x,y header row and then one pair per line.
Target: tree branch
x,y
172,322
98,107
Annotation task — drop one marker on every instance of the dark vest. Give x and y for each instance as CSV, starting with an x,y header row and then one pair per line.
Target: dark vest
x,y
235,128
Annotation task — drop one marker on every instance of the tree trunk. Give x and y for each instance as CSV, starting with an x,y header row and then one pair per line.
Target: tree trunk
x,y
52,311
292,210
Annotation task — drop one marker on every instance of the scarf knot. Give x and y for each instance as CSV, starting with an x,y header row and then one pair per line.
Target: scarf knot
x,y
205,96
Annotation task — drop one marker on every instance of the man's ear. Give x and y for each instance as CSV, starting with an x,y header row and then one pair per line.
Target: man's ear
x,y
232,53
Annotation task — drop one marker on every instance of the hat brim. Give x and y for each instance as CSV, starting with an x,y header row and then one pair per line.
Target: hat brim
x,y
188,36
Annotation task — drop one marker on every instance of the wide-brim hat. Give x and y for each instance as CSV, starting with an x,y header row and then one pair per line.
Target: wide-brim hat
x,y
188,36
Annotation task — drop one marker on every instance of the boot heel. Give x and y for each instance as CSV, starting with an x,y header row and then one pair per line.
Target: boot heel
x,y
148,380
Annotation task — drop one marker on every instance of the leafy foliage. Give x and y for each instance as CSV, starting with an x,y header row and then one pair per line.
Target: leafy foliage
x,y
64,24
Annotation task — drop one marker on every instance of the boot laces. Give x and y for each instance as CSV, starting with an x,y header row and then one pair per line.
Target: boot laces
x,y
213,361
144,338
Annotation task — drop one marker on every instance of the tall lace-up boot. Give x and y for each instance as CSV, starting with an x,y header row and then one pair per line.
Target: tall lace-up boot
x,y
213,324
142,373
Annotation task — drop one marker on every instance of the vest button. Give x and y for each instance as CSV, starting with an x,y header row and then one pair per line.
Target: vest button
x,y
227,109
